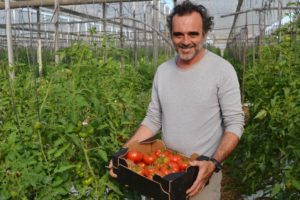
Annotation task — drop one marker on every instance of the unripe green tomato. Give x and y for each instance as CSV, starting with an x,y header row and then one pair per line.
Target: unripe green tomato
x,y
88,181
80,174
68,72
13,194
78,127
83,134
78,167
91,130
289,184
37,125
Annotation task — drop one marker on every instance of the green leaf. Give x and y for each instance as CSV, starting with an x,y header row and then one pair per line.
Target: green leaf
x,y
114,187
296,184
75,139
81,102
102,154
58,181
261,114
63,168
12,138
275,189
61,151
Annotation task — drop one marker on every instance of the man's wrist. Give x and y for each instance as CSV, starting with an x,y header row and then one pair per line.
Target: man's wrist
x,y
218,165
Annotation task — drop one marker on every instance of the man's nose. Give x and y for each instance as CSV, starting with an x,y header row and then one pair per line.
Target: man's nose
x,y
186,39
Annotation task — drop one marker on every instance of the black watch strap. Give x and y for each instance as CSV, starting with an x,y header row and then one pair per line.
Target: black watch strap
x,y
216,163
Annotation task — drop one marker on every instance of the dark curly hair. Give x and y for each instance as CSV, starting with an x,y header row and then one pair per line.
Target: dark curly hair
x,y
187,7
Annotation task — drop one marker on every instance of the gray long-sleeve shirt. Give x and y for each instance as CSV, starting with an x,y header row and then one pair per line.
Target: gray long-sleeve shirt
x,y
194,107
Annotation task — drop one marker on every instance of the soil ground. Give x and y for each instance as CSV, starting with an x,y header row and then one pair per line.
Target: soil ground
x,y
230,191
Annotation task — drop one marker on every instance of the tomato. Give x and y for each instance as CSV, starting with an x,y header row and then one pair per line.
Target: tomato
x,y
134,156
158,152
141,164
159,173
14,194
83,134
78,127
183,165
149,171
175,158
149,158
37,125
165,159
88,181
137,169
91,130
166,153
165,170
173,166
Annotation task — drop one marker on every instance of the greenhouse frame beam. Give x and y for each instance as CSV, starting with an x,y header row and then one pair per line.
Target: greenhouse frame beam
x,y
92,18
258,10
46,3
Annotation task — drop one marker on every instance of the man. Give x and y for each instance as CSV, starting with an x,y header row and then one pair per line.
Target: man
x,y
195,101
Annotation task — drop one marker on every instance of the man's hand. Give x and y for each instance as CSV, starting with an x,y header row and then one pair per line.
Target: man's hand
x,y
206,169
110,167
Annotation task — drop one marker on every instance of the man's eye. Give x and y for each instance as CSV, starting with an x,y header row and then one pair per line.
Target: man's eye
x,y
194,33
176,34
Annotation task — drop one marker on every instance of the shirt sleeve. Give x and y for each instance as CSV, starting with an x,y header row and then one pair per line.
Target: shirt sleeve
x,y
152,119
230,101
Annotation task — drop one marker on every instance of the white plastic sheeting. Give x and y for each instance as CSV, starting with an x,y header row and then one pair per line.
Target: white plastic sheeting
x,y
256,15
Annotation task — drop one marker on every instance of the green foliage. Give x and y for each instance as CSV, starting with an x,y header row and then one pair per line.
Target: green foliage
x,y
214,49
57,137
268,156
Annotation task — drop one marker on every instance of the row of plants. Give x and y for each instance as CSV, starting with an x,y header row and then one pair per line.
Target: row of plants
x,y
59,131
268,156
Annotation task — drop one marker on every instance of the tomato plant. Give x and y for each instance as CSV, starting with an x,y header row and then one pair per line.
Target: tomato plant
x,y
268,154
57,138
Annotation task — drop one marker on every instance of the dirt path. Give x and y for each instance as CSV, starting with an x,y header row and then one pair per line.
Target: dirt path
x,y
229,189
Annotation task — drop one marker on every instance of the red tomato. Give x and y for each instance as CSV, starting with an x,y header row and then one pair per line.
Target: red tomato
x,y
159,173
166,153
173,167
175,158
149,159
134,155
149,171
158,152
183,165
141,164
165,170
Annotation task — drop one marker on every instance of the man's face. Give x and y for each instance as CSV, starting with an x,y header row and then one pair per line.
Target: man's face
x,y
187,36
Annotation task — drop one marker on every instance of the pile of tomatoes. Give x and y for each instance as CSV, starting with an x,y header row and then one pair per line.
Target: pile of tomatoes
x,y
161,162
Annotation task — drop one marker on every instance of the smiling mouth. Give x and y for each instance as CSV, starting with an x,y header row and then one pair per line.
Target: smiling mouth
x,y
185,49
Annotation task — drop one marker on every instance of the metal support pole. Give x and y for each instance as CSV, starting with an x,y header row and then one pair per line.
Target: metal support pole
x,y
154,34
39,49
9,40
56,16
121,34
134,36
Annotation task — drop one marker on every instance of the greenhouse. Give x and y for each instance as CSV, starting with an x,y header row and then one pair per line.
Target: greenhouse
x,y
83,82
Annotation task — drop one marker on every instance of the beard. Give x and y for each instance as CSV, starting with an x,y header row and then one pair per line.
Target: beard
x,y
195,49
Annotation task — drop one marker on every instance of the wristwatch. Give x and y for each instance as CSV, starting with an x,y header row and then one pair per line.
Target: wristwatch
x,y
217,164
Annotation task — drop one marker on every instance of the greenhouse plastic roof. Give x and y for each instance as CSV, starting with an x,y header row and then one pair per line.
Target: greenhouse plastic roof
x,y
225,22
223,13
